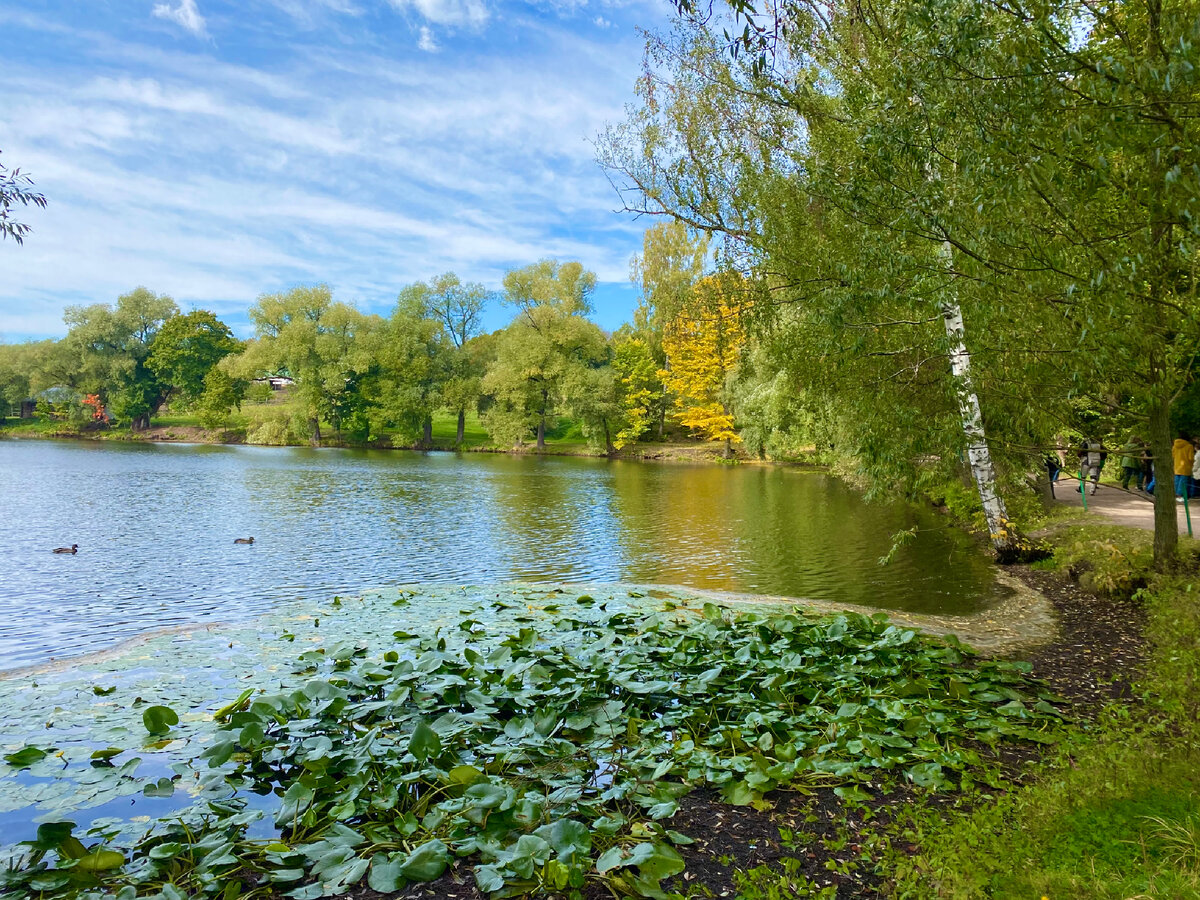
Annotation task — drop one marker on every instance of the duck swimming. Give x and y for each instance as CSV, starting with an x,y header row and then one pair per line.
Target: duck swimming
x,y
248,540
74,548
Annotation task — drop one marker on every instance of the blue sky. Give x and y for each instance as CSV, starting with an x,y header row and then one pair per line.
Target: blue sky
x,y
218,150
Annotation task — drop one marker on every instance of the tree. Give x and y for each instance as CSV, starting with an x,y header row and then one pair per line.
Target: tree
x,y
541,352
221,393
110,347
458,308
14,190
672,261
327,347
702,342
416,358
860,159
186,349
638,387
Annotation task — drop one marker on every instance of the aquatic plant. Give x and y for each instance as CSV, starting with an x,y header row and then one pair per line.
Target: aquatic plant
x,y
551,756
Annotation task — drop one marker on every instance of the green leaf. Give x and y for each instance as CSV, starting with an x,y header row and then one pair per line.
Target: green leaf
x,y
427,862
424,742
25,757
385,874
103,691
159,719
100,861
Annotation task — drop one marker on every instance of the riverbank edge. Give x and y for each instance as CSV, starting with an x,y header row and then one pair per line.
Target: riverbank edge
x,y
1021,621
704,452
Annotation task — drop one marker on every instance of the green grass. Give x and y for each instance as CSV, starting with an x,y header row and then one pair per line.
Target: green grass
x,y
1115,813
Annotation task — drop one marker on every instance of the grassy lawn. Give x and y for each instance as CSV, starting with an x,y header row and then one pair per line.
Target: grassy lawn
x,y
1115,813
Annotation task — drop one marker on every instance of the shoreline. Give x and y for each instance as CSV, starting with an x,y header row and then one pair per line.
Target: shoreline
x,y
697,452
1022,621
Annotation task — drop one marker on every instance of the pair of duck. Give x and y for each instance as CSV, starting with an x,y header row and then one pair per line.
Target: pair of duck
x,y
74,548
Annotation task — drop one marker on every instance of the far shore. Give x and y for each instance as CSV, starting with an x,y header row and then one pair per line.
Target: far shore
x,y
674,451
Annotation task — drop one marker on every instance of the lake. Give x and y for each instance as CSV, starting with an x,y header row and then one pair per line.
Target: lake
x,y
155,525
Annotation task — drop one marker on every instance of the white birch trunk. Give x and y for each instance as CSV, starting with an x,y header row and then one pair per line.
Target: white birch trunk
x,y
978,455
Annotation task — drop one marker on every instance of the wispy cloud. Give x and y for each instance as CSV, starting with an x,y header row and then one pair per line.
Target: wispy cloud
x,y
186,15
426,40
447,12
344,153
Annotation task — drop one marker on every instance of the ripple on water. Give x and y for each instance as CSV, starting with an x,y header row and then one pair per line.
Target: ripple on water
x,y
155,524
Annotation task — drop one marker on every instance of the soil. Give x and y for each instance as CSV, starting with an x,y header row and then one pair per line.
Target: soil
x,y
1099,651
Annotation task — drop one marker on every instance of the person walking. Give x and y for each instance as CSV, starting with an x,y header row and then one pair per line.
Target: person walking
x,y
1131,463
1196,472
1091,460
1183,453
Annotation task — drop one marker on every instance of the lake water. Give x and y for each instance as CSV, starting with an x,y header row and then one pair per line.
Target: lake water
x,y
155,525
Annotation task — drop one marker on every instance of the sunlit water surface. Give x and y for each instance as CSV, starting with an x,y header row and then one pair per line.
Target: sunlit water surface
x,y
155,525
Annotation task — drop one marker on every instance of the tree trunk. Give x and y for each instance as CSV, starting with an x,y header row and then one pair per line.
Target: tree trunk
x,y
727,450
541,437
140,423
315,432
427,433
609,449
462,427
978,454
1166,522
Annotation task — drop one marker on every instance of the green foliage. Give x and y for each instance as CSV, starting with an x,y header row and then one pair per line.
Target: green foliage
x,y
1113,813
545,350
187,348
220,395
111,346
551,755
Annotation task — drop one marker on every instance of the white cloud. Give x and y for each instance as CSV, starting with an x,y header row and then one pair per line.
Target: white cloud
x,y
601,22
426,40
447,12
185,15
346,156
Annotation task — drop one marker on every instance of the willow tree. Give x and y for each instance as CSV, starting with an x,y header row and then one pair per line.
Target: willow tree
x,y
930,180
326,346
540,354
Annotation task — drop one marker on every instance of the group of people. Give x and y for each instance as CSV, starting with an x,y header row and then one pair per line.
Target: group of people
x,y
1137,465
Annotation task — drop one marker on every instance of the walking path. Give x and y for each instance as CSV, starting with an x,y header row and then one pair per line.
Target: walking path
x,y
1132,508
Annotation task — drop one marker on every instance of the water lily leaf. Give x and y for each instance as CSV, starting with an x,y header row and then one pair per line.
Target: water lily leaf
x,y
424,742
571,840
164,787
107,753
51,835
26,757
385,874
100,861
621,856
427,862
488,879
464,775
103,691
168,850
159,719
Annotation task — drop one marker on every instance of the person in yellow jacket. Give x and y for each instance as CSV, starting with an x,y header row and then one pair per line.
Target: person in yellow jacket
x,y
1184,454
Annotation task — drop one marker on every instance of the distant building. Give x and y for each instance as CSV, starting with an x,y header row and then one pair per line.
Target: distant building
x,y
277,382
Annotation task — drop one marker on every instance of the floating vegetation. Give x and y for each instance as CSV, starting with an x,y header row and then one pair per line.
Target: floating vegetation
x,y
543,755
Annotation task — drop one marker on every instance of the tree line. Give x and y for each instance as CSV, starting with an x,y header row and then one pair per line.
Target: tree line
x,y
366,376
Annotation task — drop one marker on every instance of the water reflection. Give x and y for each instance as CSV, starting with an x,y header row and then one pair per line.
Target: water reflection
x,y
156,523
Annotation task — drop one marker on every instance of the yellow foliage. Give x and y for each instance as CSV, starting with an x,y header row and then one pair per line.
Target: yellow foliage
x,y
702,343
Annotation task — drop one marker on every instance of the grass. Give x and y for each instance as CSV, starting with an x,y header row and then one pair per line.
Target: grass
x,y
1115,813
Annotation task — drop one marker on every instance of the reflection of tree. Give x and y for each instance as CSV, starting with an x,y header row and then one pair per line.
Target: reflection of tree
x,y
555,517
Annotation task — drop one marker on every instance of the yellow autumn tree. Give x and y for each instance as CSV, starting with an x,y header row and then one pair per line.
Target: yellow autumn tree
x,y
702,342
